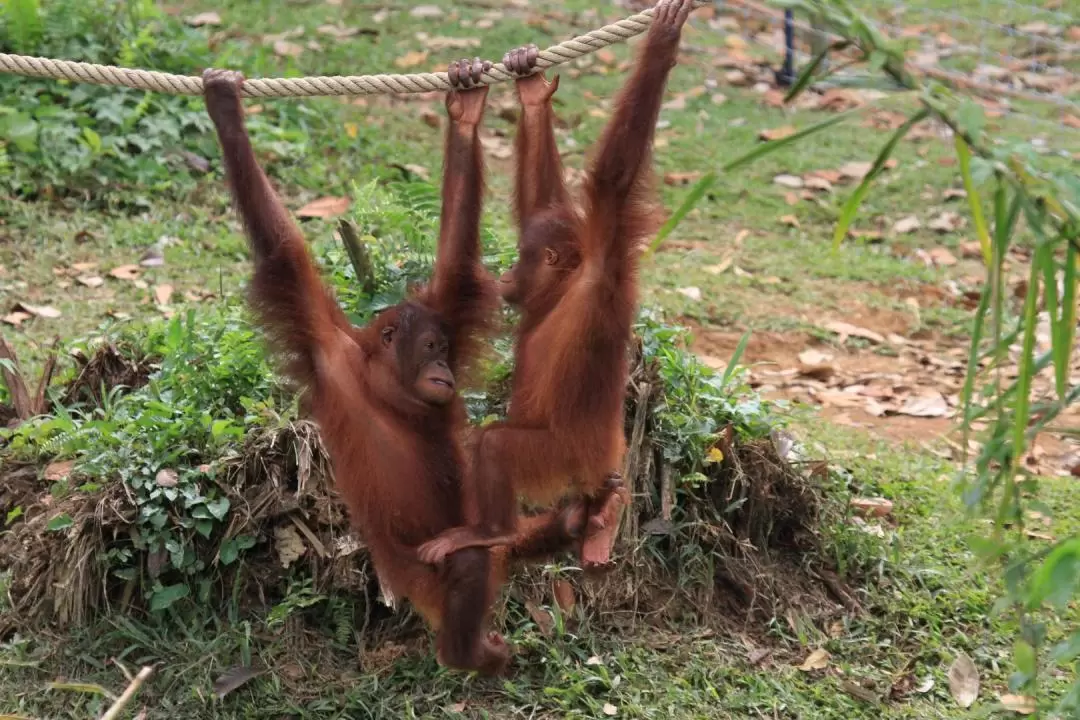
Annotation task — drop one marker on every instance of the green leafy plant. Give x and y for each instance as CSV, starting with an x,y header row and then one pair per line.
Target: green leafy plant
x,y
1039,582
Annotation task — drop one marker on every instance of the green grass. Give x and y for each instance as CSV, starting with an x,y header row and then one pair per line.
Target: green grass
x,y
926,600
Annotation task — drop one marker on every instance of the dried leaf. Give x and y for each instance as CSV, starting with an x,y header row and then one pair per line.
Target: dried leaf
x,y
324,207
856,170
91,281
817,660
694,293
54,472
284,48
906,225
594,660
153,256
166,478
1019,704
846,330
233,679
125,272
411,59
964,681
718,99
817,183
720,267
607,57
930,404
790,181
814,357
162,293
290,546
541,617
777,133
942,257
206,18
946,222
610,709
790,220
426,11
16,317
926,685
42,311
564,596
872,507
681,178
676,103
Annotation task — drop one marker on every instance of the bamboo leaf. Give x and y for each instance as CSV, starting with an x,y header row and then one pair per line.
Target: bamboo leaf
x,y
807,74
963,154
773,145
692,198
851,207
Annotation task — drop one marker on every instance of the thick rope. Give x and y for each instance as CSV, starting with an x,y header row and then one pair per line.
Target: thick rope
x,y
313,86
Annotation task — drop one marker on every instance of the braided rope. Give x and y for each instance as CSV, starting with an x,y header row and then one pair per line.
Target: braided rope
x,y
316,86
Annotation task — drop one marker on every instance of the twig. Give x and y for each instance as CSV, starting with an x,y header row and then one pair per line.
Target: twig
x,y
136,683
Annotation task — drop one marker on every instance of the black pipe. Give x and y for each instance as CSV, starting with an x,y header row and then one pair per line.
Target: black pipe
x,y
786,75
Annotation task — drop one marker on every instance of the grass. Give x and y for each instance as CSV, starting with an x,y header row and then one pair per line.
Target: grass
x,y
927,598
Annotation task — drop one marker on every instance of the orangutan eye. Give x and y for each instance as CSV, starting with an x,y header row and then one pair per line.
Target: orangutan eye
x,y
387,335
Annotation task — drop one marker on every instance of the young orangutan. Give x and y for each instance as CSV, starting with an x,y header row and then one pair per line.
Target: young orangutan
x,y
384,395
576,285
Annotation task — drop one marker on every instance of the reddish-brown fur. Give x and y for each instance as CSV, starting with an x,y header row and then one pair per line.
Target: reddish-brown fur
x,y
383,394
576,285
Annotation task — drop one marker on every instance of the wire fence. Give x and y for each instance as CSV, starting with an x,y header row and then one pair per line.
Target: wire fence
x,y
1026,53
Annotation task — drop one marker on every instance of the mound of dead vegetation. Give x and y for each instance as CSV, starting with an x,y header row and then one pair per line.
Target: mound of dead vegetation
x,y
736,548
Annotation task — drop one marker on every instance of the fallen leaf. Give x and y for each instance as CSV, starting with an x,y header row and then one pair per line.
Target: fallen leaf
x,y
1071,121
162,293
872,507
714,456
954,194
856,170
290,546
324,207
54,472
790,220
284,48
233,679
411,59
817,183
790,181
594,660
338,32
166,478
610,709
926,685
458,707
817,660
418,170
906,225
718,98
1020,704
681,178
830,176
928,405
90,281
814,357
694,293
544,622
964,681
607,57
846,330
426,11
125,272
720,267
942,257
206,18
83,266
153,257
677,103
779,133
42,311
564,596
946,222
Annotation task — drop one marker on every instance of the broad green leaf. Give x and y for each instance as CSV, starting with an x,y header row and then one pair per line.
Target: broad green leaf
x,y
60,522
692,198
167,596
851,207
971,119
